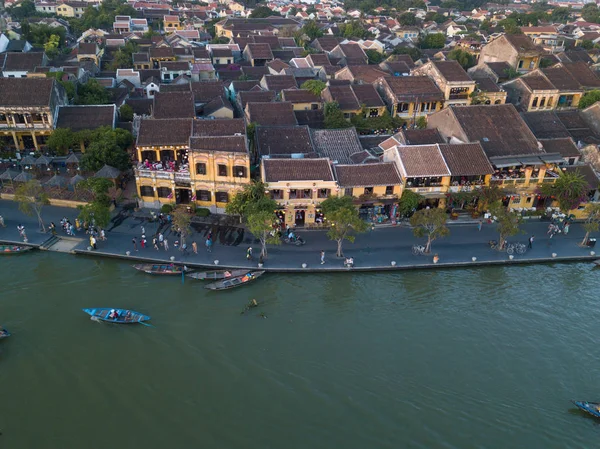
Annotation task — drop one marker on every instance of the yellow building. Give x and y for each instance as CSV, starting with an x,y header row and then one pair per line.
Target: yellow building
x,y
172,23
201,163
301,99
451,78
517,50
71,9
410,96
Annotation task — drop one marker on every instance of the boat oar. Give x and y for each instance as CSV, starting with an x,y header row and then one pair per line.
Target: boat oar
x,y
146,324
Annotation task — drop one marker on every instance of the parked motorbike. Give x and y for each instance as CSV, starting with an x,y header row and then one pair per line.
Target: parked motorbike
x,y
297,240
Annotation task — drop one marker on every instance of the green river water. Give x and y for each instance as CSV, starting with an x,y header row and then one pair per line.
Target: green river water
x,y
477,358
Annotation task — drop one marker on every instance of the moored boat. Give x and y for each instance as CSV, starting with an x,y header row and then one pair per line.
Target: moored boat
x,y
13,249
4,333
167,269
217,274
122,316
237,281
593,408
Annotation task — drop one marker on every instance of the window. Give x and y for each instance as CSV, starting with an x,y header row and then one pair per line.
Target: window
x,y
550,102
239,171
200,168
373,112
164,192
222,170
389,190
276,194
323,193
542,102
520,64
293,194
314,107
368,191
222,197
2,117
146,191
203,195
535,102
306,193
402,107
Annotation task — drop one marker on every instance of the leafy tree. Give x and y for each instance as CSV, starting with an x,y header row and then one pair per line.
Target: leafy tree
x,y
464,58
508,222
590,13
589,98
344,219
107,146
486,196
383,122
430,223
421,122
314,86
511,73
123,58
92,93
69,86
96,212
561,14
570,190
293,11
23,10
407,18
592,222
260,224
61,140
51,46
433,40
96,186
251,197
312,30
409,201
126,113
32,198
413,52
261,12
181,222
353,30
374,56
334,117
510,26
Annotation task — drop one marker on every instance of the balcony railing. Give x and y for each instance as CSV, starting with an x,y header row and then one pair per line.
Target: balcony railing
x,y
4,125
160,174
463,96
428,189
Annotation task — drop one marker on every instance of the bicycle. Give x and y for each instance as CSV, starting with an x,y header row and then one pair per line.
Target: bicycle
x,y
518,248
418,250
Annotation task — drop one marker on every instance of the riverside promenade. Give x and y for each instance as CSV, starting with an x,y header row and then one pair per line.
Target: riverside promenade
x,y
372,251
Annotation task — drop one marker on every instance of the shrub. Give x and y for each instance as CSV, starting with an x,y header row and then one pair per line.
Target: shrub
x,y
166,208
202,212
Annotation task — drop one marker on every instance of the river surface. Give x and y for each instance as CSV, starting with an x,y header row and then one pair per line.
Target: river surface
x,y
459,358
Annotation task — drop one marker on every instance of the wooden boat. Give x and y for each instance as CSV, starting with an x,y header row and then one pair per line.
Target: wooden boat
x,y
103,314
217,274
593,408
4,333
237,281
13,249
167,269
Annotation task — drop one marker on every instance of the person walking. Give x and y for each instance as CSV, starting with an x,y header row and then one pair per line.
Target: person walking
x,y
21,229
531,241
143,230
166,245
102,235
249,253
195,247
161,239
134,241
2,221
93,242
566,228
143,242
208,245
155,243
480,225
322,257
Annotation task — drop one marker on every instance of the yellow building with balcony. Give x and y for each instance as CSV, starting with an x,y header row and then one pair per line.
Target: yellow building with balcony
x,y
198,163
410,96
451,78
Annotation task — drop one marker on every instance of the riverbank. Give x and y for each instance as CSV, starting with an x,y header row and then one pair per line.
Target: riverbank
x,y
382,249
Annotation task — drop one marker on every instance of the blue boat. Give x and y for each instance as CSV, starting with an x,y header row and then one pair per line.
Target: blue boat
x,y
4,333
122,316
593,408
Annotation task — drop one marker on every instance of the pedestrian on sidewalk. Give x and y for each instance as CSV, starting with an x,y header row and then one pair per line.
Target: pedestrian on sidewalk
x,y
208,245
531,241
72,230
480,225
52,228
102,235
161,239
166,245
21,229
195,247
249,253
322,257
566,228
2,221
77,224
134,241
143,230
155,243
143,242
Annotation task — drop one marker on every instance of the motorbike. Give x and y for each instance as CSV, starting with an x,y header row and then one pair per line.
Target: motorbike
x,y
297,240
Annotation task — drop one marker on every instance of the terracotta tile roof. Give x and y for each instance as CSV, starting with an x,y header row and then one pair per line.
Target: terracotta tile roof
x,y
577,126
583,74
499,68
78,118
278,65
206,91
561,78
221,53
271,114
537,82
314,119
259,96
161,52
545,125
364,73
487,85
277,170
271,41
279,82
499,129
259,51
255,72
174,105
422,161
219,127
229,144
283,141
420,136
175,65
240,86
366,175
564,146
336,144
318,59
215,105
367,95
23,62
164,132
286,42
353,51
343,95
141,57
452,71
522,43
413,88
466,159
141,106
299,96
406,59
390,142
85,48
25,91
327,43
397,67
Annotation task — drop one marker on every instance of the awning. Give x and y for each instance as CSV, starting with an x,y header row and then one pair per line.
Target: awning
x,y
531,160
552,158
505,162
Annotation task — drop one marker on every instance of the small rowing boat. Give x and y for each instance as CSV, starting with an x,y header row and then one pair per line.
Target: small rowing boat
x,y
13,249
217,274
167,269
4,333
593,408
237,281
121,316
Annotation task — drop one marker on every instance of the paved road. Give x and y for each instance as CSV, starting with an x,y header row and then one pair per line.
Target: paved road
x,y
377,248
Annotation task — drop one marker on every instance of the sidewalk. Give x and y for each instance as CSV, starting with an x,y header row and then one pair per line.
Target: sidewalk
x,y
373,250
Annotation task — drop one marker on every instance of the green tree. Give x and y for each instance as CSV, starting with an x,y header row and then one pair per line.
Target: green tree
x,y
570,190
182,219
589,98
353,30
261,12
407,18
590,13
96,212
510,26
126,113
374,56
32,198
511,73
311,30
561,14
508,222
413,52
314,86
344,219
67,85
409,201
421,122
51,46
486,196
61,141
252,196
260,224
334,117
123,58
592,221
430,223
433,40
22,10
96,186
464,58
92,92
107,146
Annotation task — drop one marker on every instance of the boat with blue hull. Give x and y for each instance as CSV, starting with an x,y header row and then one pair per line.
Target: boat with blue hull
x,y
4,333
121,316
593,408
